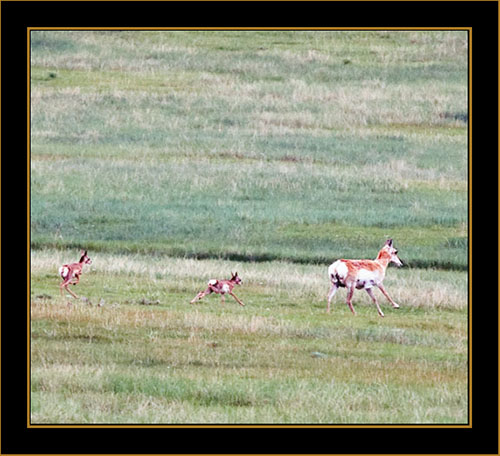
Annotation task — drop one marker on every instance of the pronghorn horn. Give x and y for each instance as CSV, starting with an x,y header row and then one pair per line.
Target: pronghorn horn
x,y
389,242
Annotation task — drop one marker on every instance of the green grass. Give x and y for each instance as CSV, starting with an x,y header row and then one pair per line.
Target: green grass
x,y
259,209
175,157
148,356
183,139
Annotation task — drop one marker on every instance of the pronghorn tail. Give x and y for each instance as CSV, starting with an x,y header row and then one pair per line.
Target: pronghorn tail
x,y
63,271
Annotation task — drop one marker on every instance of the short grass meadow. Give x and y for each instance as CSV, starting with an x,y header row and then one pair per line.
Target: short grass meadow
x,y
175,157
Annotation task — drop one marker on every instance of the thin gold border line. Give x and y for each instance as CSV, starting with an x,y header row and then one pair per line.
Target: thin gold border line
x,y
372,426
247,426
28,196
250,29
243,1
469,231
0,215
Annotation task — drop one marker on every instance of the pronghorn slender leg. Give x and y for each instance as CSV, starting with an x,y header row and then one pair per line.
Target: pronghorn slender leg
x,y
195,298
382,289
331,294
222,299
65,286
370,292
349,298
235,297
200,295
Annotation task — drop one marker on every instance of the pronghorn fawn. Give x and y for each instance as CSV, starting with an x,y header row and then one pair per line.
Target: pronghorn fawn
x,y
221,287
70,273
365,274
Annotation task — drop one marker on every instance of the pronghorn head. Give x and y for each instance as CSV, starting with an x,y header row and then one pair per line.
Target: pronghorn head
x,y
84,258
235,278
393,252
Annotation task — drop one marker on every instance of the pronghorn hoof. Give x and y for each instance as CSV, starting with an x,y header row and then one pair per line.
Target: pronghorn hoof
x,y
396,306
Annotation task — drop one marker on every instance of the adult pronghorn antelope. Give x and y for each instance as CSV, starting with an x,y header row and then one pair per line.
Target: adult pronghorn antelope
x,y
70,273
221,287
363,274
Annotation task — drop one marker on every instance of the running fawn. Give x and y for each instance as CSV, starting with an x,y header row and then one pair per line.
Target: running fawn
x,y
363,274
70,273
221,287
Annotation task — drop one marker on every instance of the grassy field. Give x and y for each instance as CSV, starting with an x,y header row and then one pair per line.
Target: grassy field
x,y
148,356
175,157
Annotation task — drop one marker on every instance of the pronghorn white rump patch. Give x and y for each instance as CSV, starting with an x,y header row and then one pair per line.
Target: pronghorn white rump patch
x,y
338,268
63,271
212,282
